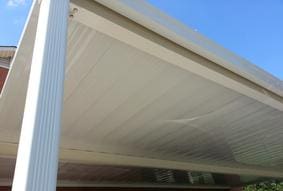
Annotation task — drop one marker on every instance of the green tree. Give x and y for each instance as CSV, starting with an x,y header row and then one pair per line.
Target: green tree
x,y
265,186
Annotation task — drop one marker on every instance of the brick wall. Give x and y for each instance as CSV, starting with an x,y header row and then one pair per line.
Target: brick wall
x,y
3,75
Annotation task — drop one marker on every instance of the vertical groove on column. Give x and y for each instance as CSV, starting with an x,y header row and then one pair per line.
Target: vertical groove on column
x,y
37,161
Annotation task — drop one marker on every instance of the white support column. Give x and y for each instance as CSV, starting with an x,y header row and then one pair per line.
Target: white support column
x,y
37,160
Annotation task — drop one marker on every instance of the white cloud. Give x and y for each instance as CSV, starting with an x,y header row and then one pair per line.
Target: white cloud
x,y
18,22
15,3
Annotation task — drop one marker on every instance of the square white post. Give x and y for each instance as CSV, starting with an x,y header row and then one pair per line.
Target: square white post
x,y
37,159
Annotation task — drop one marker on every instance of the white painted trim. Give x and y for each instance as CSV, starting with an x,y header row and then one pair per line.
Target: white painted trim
x,y
8,150
141,12
4,65
116,26
37,159
89,157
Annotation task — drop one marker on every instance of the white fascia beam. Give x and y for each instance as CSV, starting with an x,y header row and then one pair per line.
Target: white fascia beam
x,y
4,65
37,158
106,21
89,157
8,150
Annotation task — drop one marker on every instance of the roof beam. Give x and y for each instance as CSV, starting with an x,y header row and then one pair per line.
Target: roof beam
x,y
104,20
9,150
4,64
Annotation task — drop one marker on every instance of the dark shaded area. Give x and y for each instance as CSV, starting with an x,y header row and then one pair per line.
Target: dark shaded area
x,y
119,189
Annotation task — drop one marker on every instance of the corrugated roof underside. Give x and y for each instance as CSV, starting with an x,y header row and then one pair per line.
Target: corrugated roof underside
x,y
118,99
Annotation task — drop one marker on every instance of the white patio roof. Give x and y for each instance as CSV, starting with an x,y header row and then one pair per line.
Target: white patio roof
x,y
143,90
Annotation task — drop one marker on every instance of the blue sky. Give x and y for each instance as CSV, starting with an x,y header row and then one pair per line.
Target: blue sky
x,y
252,29
13,14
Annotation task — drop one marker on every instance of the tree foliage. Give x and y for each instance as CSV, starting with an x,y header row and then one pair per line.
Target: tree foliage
x,y
265,186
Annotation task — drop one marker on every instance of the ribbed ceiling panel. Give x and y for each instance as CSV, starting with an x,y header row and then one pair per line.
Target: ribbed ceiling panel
x,y
121,100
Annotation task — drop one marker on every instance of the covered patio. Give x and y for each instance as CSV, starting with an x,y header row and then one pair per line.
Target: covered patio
x,y
116,95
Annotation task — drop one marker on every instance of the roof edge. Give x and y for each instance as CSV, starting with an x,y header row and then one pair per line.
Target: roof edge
x,y
146,15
